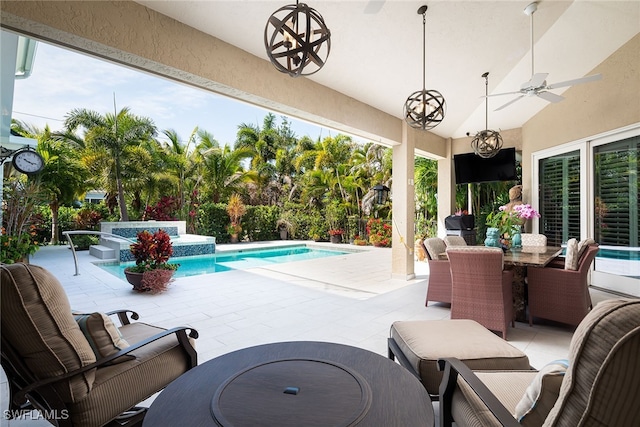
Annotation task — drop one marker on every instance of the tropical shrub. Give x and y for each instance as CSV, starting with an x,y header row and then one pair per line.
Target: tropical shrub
x,y
379,232
16,248
165,210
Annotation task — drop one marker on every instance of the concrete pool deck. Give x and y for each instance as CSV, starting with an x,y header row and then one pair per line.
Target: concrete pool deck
x,y
349,299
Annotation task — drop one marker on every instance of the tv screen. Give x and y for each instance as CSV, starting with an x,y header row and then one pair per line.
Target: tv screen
x,y
473,168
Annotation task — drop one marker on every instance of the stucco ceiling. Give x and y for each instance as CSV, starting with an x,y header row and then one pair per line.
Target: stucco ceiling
x,y
376,48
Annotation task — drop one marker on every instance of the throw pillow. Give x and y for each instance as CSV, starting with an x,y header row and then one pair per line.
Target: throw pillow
x,y
103,336
583,245
571,258
542,394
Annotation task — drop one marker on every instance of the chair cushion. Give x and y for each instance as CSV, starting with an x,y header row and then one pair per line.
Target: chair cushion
x,y
582,247
454,241
530,239
541,394
468,409
434,246
37,321
155,365
103,336
603,368
423,342
571,257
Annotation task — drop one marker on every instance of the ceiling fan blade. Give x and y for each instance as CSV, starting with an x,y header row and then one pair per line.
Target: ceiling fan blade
x,y
510,102
537,80
575,81
500,94
373,6
551,97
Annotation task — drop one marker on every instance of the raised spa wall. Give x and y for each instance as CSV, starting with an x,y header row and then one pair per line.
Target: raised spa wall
x,y
183,244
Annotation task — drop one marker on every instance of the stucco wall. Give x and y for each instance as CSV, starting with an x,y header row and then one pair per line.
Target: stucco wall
x,y
588,109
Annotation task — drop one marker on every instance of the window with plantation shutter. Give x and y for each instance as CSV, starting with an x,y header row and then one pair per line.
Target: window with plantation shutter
x,y
559,179
616,170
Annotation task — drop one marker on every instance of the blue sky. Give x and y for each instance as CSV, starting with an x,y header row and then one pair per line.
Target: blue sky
x,y
63,80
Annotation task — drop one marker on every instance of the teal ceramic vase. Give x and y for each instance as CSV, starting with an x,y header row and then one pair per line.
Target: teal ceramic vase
x,y
516,240
492,237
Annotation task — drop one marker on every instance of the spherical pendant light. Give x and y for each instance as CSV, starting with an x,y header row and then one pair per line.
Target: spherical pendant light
x,y
486,143
424,109
297,40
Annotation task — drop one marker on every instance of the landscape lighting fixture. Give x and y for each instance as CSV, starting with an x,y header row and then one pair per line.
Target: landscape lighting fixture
x,y
381,192
487,143
297,40
424,109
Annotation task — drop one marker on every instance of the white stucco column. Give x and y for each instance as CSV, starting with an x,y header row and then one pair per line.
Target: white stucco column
x,y
446,189
403,192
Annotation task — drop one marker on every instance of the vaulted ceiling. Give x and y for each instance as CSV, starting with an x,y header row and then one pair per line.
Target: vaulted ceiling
x,y
376,48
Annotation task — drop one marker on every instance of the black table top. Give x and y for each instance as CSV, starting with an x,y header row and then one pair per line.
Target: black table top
x,y
300,383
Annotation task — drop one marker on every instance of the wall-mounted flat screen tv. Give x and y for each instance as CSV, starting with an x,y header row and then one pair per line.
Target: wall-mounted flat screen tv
x,y
471,168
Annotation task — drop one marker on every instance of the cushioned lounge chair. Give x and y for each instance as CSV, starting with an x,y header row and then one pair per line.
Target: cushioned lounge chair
x,y
81,370
597,387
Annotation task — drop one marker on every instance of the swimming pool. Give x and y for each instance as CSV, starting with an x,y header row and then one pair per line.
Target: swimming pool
x,y
239,260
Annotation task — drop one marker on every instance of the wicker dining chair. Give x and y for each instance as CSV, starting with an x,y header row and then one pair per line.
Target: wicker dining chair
x,y
559,293
439,286
480,289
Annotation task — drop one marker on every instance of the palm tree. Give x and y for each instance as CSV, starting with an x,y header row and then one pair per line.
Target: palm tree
x,y
112,133
63,177
223,172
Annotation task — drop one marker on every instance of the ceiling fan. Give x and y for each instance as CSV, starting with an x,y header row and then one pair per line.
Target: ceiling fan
x,y
537,85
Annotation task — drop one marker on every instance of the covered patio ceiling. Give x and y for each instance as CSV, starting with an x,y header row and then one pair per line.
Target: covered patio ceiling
x,y
376,51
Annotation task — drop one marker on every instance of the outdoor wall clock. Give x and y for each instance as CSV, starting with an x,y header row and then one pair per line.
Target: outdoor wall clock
x,y
28,161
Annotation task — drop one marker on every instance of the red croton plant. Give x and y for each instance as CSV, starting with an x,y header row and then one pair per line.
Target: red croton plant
x,y
152,251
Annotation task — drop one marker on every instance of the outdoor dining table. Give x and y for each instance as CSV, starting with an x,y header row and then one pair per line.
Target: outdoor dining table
x,y
517,260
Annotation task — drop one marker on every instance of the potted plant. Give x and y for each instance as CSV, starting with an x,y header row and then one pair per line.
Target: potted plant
x,y
358,241
152,272
236,209
284,227
506,224
335,235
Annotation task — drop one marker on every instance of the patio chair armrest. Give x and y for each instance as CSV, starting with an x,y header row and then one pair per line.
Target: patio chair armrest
x,y
183,340
453,367
123,317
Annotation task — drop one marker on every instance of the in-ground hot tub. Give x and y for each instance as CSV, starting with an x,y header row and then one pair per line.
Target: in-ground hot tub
x,y
183,244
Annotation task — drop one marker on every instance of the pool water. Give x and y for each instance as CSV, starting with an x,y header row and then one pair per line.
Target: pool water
x,y
241,260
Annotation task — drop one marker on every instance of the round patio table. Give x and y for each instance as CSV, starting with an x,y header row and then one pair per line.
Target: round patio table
x,y
300,383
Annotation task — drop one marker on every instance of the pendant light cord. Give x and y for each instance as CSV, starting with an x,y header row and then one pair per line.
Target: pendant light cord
x,y
486,101
424,51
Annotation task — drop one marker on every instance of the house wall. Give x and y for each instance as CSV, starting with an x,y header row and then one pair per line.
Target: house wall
x,y
588,109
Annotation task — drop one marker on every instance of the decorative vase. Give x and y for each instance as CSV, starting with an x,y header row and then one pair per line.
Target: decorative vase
x,y
234,238
336,238
135,279
516,240
492,237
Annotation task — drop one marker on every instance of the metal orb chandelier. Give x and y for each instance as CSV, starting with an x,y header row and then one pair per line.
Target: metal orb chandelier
x,y
487,143
424,109
297,40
